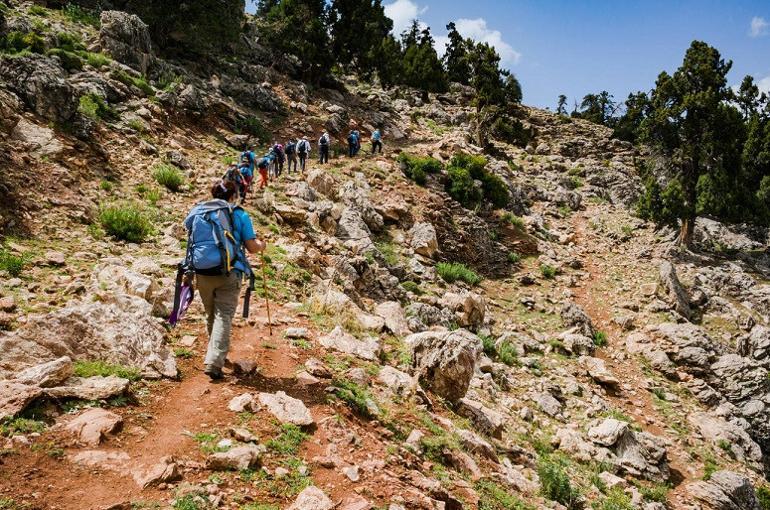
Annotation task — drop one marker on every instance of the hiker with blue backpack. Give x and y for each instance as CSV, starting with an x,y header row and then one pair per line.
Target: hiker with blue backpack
x,y
218,231
352,144
247,166
376,141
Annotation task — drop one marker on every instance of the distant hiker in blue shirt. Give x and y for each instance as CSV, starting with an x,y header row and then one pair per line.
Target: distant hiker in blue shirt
x,y
220,266
352,144
376,141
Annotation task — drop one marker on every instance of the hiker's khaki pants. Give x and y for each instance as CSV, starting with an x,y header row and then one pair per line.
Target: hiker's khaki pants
x,y
220,299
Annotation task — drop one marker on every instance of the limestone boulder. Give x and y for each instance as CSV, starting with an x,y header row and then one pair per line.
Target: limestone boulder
x,y
444,361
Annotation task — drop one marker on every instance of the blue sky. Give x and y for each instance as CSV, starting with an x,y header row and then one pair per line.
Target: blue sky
x,y
577,47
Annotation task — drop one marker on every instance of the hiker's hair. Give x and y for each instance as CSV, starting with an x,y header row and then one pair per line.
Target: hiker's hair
x,y
224,190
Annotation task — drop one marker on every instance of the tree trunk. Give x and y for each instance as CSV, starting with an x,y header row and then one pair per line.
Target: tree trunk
x,y
686,232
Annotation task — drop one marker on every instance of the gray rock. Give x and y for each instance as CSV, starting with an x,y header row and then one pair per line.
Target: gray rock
x,y
487,420
93,425
469,308
89,388
394,317
398,382
423,240
673,291
126,38
719,431
323,182
342,341
548,404
352,229
238,458
355,194
597,369
444,360
574,316
244,402
46,375
287,409
725,490
15,397
607,432
41,83
312,498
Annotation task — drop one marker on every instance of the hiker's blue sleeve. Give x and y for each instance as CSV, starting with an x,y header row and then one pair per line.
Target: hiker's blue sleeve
x,y
245,228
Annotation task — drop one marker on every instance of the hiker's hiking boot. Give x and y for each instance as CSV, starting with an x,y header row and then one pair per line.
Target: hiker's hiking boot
x,y
215,374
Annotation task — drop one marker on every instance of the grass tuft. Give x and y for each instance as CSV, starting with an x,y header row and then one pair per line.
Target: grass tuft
x,y
168,176
454,271
126,221
104,369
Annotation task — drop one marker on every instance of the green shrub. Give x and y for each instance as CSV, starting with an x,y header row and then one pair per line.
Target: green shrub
x,y
461,187
13,264
133,81
355,396
126,221
70,42
494,497
463,170
763,495
506,352
253,126
417,168
69,60
412,287
513,257
105,185
95,107
13,426
37,10
454,271
104,369
495,190
600,338
168,176
97,60
19,42
79,14
616,499
659,493
488,343
548,272
288,441
511,131
555,482
514,220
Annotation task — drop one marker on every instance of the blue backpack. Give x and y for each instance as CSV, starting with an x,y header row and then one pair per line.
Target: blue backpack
x,y
211,247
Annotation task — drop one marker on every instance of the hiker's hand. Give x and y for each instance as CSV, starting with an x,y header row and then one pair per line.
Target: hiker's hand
x,y
255,245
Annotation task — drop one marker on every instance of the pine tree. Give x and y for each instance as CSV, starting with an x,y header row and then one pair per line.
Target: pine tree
x,y
686,115
358,29
422,68
456,62
561,107
300,28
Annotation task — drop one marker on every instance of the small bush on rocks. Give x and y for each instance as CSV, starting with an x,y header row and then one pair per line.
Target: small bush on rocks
x,y
126,221
289,441
494,497
451,272
548,272
133,81
463,171
79,14
95,108
616,499
168,176
555,482
356,397
513,257
763,495
13,264
600,338
252,126
417,168
104,369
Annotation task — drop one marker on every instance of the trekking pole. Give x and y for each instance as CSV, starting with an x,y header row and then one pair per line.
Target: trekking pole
x,y
267,300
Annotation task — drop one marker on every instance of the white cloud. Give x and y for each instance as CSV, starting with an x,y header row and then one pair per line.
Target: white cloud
x,y
478,30
759,26
764,85
402,12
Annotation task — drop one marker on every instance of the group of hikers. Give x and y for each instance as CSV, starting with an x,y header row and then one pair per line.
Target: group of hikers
x,y
293,154
220,232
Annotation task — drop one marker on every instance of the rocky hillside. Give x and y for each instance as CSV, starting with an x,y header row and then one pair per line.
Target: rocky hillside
x,y
433,346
